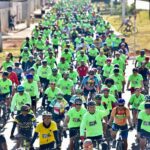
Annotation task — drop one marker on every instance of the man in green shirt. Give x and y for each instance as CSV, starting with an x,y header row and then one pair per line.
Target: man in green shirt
x,y
19,99
6,64
135,100
140,59
92,122
73,120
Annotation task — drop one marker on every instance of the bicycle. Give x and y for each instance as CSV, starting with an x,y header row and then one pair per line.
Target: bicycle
x,y
100,144
127,31
23,142
120,141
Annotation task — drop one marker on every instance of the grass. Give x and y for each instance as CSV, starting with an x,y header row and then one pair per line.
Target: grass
x,y
142,38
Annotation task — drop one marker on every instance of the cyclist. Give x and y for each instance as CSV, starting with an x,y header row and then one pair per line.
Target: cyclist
x,y
90,84
135,80
92,122
66,85
143,125
31,87
119,116
47,132
141,106
50,94
135,100
3,144
73,120
25,122
140,59
126,22
19,99
5,86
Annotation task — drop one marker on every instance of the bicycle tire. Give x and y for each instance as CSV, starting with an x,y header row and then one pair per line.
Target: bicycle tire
x,y
119,145
105,146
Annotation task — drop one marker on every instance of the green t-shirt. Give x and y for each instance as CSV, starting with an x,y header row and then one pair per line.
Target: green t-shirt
x,y
148,65
80,58
89,39
52,94
92,123
67,56
63,67
107,70
66,86
140,60
19,100
100,60
73,76
25,56
109,42
51,61
44,72
40,44
7,64
5,86
135,100
100,107
75,117
135,81
109,100
118,81
31,88
93,52
55,41
141,106
145,121
120,62
53,78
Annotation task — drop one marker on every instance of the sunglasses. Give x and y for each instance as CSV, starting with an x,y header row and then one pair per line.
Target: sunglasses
x,y
79,104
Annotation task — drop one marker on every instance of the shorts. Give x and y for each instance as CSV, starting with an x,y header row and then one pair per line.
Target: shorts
x,y
144,134
86,92
99,137
74,131
48,146
3,96
33,100
124,134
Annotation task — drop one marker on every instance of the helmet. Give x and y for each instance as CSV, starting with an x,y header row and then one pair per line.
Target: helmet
x,y
25,48
92,46
25,108
91,72
59,96
116,66
116,70
29,76
147,97
106,89
91,103
44,61
98,97
62,59
147,105
109,80
121,101
135,70
9,68
31,57
20,88
78,100
54,70
46,114
108,59
5,73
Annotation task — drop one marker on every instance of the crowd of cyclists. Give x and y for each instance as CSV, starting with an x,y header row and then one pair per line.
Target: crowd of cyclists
x,y
74,68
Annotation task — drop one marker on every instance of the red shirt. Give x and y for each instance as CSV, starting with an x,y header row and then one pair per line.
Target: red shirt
x,y
82,70
13,77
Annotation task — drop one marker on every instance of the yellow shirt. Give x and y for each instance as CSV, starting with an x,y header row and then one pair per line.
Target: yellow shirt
x,y
46,135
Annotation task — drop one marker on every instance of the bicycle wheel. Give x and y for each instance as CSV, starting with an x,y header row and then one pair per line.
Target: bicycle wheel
x,y
105,146
120,145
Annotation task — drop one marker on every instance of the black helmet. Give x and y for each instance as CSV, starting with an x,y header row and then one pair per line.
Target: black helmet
x,y
25,108
54,70
116,70
147,105
98,97
109,80
147,97
5,73
91,103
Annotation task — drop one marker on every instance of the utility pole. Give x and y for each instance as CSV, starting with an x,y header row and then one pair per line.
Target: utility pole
x,y
28,13
123,9
111,7
1,43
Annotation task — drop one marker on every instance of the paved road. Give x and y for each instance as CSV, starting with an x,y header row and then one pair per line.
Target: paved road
x,y
126,95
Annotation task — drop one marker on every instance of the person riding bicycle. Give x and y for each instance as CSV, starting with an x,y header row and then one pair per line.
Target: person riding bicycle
x,y
135,100
142,104
135,80
119,116
5,86
25,122
143,125
89,84
31,87
127,22
19,99
92,122
47,133
140,59
73,120
50,94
